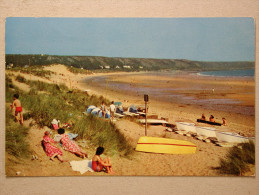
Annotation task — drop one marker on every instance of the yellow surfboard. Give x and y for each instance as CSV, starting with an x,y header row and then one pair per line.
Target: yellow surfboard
x,y
164,145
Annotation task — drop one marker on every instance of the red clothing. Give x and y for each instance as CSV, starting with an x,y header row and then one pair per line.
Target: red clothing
x,y
17,110
69,145
96,166
55,126
50,149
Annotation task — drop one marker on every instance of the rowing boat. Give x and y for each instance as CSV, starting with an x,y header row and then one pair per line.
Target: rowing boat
x,y
206,131
208,122
183,126
231,137
164,145
153,121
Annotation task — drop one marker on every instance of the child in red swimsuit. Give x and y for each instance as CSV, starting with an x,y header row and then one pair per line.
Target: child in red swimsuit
x,y
18,108
98,164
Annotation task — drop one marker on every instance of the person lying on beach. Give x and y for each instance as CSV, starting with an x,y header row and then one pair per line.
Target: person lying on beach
x,y
203,117
98,164
112,110
70,145
212,118
103,109
18,108
50,148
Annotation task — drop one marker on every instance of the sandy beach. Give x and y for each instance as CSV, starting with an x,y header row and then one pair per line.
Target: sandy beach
x,y
240,117
232,98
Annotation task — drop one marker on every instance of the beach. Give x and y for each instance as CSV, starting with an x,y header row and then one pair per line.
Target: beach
x,y
183,96
189,89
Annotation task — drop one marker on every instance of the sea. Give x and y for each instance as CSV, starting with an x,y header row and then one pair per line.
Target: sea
x,y
229,73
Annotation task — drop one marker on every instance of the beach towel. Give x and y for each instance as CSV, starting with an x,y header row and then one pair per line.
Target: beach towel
x,y
82,166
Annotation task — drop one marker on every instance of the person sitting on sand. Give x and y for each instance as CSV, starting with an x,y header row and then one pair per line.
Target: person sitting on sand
x,y
212,118
112,110
224,121
203,117
70,145
18,108
51,150
103,109
98,164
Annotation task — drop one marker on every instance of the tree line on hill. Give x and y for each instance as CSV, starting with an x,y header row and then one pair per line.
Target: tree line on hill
x,y
118,63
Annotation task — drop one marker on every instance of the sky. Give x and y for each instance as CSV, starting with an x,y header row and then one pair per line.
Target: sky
x,y
202,39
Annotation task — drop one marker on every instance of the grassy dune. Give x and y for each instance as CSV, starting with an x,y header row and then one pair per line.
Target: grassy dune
x,y
45,102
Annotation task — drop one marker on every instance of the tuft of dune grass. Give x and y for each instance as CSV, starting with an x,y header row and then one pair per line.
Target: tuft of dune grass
x,y
238,159
15,137
20,79
102,133
34,70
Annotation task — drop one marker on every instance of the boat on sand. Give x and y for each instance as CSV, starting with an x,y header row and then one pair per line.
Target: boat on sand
x,y
206,131
208,122
231,137
153,121
184,126
164,145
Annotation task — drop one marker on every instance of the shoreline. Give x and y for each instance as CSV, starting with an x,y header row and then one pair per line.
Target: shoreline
x,y
175,111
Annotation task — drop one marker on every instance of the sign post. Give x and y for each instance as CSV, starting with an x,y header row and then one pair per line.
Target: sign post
x,y
146,100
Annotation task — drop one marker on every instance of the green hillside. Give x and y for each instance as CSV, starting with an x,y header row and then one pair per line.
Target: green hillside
x,y
125,64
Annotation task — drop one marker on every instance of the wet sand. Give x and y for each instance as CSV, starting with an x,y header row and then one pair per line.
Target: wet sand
x,y
183,96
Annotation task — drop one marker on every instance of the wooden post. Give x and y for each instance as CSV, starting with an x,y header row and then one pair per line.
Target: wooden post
x,y
145,118
146,100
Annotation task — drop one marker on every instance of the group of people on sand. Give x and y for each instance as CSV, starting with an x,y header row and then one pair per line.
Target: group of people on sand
x,y
112,109
211,119
69,145
52,150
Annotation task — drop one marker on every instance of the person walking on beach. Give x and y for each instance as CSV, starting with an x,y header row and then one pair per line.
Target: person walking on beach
x,y
103,109
98,164
18,108
112,110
